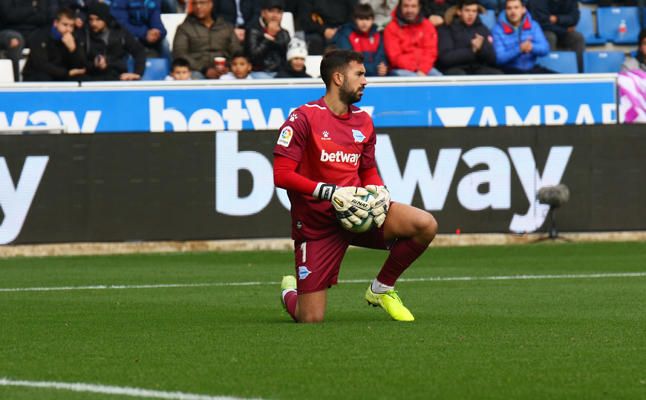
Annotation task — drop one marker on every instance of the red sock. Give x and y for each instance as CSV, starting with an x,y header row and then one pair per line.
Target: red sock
x,y
289,299
402,255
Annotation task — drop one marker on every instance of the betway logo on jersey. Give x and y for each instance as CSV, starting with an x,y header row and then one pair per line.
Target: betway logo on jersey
x,y
340,156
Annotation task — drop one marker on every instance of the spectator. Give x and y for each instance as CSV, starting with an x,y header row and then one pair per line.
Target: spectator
x,y
411,41
180,70
107,47
639,61
296,55
143,20
200,38
239,13
267,42
240,68
80,8
55,55
558,19
383,10
519,41
320,19
11,45
361,35
465,44
435,10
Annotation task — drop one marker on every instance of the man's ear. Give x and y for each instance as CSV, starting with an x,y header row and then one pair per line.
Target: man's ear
x,y
337,78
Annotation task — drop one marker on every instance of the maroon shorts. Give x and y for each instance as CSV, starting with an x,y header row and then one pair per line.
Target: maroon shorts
x,y
318,261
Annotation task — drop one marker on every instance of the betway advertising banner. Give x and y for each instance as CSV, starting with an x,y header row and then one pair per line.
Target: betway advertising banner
x,y
76,188
201,108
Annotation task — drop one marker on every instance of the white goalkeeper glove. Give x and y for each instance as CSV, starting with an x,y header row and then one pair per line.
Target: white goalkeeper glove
x,y
350,209
380,204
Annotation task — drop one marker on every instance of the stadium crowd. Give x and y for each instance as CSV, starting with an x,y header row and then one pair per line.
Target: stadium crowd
x,y
79,40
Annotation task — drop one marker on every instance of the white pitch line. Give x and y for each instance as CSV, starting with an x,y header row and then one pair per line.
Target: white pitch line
x,y
112,390
259,283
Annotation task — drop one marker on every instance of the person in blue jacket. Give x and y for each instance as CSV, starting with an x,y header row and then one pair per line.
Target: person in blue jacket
x,y
142,18
361,35
519,40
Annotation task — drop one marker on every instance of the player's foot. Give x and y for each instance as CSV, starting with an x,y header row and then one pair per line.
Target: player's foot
x,y
390,302
287,284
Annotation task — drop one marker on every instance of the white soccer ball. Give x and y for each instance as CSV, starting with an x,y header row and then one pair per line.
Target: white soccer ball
x,y
368,222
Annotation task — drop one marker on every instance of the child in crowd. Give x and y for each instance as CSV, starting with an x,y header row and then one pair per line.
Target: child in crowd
x,y
361,35
296,55
240,68
180,70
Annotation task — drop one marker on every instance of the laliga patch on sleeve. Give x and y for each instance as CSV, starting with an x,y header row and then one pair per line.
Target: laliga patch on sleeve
x,y
285,136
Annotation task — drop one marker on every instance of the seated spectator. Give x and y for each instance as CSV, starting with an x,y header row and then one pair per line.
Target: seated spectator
x,y
11,45
267,42
411,41
240,68
383,10
80,10
435,10
320,19
55,54
239,13
200,38
107,47
143,20
558,20
361,35
465,44
519,41
180,70
296,55
639,61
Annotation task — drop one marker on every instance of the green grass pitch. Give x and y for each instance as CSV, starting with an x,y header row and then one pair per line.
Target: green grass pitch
x,y
575,338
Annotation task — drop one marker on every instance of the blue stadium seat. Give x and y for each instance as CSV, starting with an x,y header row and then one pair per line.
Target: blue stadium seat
x,y
602,61
563,62
156,69
588,28
488,18
610,19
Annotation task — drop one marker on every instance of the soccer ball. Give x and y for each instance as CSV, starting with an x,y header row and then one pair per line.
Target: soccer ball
x,y
367,223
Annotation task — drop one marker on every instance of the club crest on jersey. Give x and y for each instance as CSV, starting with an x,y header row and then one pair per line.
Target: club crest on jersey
x,y
303,272
358,136
285,136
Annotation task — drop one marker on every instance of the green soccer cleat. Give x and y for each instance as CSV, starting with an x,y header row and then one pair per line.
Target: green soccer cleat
x,y
390,302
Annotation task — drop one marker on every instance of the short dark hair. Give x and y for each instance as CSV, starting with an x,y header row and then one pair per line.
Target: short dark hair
x,y
642,36
65,12
239,54
180,62
465,3
337,60
363,11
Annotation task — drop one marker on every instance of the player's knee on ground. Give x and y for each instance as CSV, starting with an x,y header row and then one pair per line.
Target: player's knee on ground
x,y
310,317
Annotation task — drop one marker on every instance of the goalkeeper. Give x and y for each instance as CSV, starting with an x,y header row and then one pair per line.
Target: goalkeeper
x,y
325,158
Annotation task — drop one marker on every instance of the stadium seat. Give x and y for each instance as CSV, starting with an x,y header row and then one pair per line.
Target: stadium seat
x,y
171,22
156,69
488,18
313,65
6,71
563,62
287,23
588,28
619,25
602,61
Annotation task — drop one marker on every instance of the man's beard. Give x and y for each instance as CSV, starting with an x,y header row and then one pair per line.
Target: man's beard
x,y
348,96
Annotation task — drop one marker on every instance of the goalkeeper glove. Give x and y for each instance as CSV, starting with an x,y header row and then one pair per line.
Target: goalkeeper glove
x,y
349,208
380,204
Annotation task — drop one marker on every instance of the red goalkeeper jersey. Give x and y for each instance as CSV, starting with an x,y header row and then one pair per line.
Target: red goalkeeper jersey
x,y
328,148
